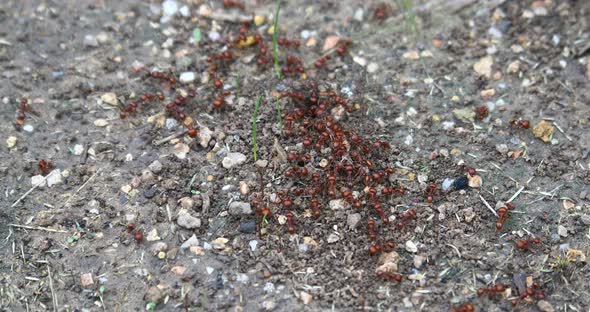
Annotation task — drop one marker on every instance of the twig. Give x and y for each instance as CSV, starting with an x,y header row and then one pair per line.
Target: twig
x,y
488,205
55,303
232,18
456,249
170,137
37,228
30,190
515,194
561,130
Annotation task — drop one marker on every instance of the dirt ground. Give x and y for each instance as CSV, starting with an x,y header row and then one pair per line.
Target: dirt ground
x,y
141,216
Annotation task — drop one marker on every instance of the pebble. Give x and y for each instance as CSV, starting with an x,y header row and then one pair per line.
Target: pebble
x,y
178,270
469,214
244,188
248,227
259,20
152,236
101,122
305,34
171,123
185,11
461,183
78,149
154,294
11,141
214,36
330,42
262,163
502,149
447,183
180,150
38,179
147,176
253,244
158,247
352,220
562,231
360,60
90,41
418,261
192,241
545,306
306,298
86,280
269,305
411,247
411,55
169,9
155,166
333,237
585,219
28,128
187,221
233,159
239,208
358,15
54,178
187,77
484,66
205,135
337,204
372,67
109,98
474,181
187,203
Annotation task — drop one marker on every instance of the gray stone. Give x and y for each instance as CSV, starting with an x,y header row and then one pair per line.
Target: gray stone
x,y
352,220
233,159
585,219
155,166
187,221
192,241
239,208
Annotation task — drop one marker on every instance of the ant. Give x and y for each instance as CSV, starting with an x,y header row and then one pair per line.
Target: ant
x,y
20,118
523,123
496,289
502,215
45,166
524,244
468,307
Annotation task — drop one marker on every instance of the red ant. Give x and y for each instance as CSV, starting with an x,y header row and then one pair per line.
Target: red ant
x,y
530,292
496,289
405,218
481,112
430,192
290,223
371,229
391,276
44,166
502,215
468,307
20,118
524,244
523,123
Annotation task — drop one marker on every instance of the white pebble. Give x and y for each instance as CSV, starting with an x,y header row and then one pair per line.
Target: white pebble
x,y
187,77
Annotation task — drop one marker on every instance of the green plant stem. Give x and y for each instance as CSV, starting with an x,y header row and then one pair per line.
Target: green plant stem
x,y
279,113
254,117
274,41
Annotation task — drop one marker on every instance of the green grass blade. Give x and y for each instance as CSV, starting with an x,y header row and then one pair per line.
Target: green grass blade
x,y
274,41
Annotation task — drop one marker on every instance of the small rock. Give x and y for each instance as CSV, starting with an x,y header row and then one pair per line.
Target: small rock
x,y
205,10
187,77
253,244
233,159
330,42
461,183
38,180
185,11
359,60
333,237
411,247
446,184
171,123
545,306
305,297
54,178
248,227
568,204
543,130
180,150
187,203
78,149
11,141
337,204
205,135
387,262
155,166
237,208
219,243
187,221
352,220
154,294
262,163
372,67
502,149
178,270
488,92
152,236
259,20
483,67
90,41
585,219
86,280
101,122
214,36
244,188
469,214
411,55
147,176
110,98
562,231
192,241
358,15
513,67
474,181
268,305
126,188
158,247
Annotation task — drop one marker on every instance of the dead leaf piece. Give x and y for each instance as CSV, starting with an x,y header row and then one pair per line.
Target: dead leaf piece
x,y
573,255
543,130
465,114
281,154
483,67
